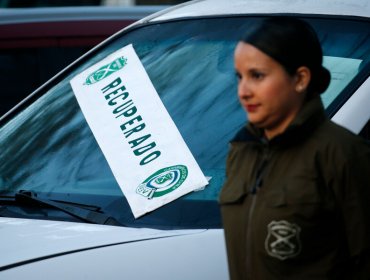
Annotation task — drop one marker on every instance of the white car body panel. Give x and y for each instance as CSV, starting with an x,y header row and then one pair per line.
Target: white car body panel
x,y
65,250
196,8
355,113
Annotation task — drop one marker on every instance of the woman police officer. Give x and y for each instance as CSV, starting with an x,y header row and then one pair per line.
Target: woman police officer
x,y
294,204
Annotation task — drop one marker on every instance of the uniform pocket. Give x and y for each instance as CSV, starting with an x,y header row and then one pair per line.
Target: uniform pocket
x,y
233,192
294,192
295,203
302,192
276,198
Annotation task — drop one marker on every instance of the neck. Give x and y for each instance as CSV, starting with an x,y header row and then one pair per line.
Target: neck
x,y
273,131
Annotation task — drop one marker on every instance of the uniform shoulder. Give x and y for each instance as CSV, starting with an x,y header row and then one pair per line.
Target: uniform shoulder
x,y
340,140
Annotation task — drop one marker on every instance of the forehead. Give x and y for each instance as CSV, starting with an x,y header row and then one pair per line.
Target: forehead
x,y
246,55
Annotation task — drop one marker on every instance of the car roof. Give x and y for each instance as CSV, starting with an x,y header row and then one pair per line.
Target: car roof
x,y
61,14
199,8
80,25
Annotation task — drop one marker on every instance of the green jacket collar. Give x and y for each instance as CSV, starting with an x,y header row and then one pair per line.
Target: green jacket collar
x,y
308,119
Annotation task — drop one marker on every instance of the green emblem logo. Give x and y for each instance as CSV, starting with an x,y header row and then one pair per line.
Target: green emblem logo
x,y
106,70
163,181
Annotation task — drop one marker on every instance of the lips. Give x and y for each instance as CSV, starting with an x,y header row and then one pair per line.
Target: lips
x,y
251,108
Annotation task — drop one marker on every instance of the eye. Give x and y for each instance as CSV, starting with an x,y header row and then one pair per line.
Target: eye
x,y
257,75
238,76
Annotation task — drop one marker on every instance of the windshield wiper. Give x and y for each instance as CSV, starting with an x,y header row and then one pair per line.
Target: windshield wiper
x,y
80,212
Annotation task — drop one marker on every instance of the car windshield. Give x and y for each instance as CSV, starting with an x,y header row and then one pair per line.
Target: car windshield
x,y
49,148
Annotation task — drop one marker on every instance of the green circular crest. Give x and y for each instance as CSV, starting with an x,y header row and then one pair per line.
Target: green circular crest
x,y
163,181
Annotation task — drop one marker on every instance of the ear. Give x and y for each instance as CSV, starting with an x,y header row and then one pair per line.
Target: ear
x,y
302,79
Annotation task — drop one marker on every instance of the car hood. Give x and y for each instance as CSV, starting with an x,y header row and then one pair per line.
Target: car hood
x,y
26,240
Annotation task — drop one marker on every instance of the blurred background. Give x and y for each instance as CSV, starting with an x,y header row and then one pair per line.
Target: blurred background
x,y
60,3
38,38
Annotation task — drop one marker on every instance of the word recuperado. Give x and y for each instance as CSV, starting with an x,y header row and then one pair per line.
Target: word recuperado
x,y
133,127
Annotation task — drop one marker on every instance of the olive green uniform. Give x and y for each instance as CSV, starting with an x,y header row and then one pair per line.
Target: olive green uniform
x,y
298,206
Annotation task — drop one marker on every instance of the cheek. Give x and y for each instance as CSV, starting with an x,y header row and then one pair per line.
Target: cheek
x,y
273,89
277,98
276,91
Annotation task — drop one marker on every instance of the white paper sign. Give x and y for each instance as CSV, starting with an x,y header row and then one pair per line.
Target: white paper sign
x,y
147,155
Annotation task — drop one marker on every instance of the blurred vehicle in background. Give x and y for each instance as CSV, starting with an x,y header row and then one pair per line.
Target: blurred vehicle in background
x,y
36,43
47,3
62,3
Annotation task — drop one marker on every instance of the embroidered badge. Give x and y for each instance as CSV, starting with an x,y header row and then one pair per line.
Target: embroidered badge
x,y
283,240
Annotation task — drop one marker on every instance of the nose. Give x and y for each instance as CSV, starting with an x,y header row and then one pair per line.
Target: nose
x,y
244,89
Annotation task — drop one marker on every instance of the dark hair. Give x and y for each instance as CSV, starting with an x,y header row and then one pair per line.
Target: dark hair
x,y
293,43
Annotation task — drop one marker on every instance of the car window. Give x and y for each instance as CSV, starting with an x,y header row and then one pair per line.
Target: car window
x,y
49,148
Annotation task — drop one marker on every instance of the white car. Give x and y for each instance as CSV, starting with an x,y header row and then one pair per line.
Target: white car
x,y
63,214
